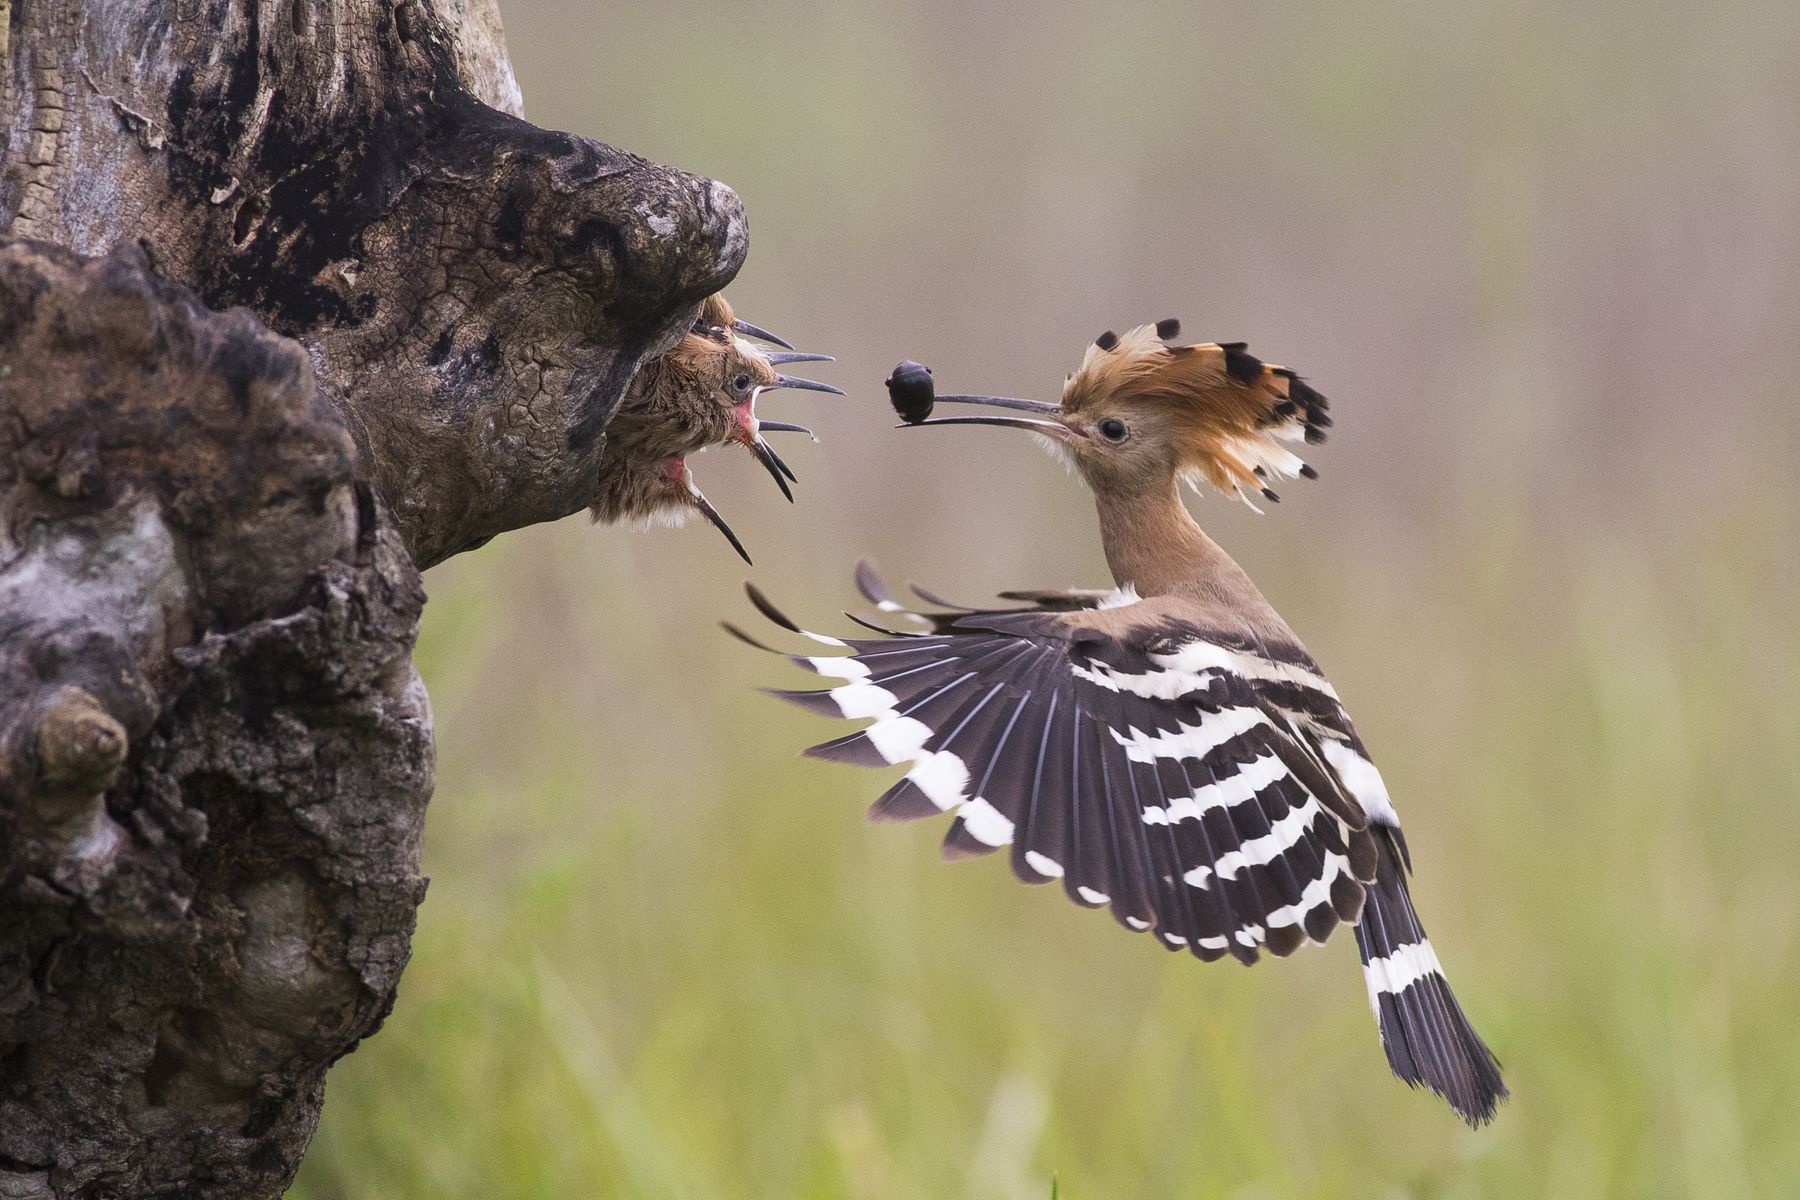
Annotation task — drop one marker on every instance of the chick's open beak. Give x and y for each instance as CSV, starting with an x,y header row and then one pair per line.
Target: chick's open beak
x,y
785,427
748,434
778,470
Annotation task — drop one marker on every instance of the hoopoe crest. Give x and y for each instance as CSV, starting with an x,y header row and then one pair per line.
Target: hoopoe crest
x,y
1224,412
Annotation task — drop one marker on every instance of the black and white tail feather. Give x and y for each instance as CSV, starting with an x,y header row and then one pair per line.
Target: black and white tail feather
x,y
1427,1038
1205,789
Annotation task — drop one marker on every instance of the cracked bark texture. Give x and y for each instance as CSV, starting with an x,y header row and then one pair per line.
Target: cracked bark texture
x,y
475,292
293,303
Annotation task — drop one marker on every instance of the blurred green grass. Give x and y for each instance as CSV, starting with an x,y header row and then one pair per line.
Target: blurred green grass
x,y
682,978
1546,261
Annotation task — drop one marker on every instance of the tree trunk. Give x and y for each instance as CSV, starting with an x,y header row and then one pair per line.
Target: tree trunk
x,y
214,752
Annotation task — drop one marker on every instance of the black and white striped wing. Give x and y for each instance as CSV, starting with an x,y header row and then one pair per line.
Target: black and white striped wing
x,y
1208,789
1181,781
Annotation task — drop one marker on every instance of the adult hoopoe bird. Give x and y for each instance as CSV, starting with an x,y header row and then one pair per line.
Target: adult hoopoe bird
x,y
1167,749
701,393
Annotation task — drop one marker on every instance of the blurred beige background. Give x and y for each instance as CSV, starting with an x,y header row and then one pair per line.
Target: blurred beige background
x,y
1544,259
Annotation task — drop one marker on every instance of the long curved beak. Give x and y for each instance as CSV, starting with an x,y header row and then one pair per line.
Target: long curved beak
x,y
1054,427
785,427
754,331
805,385
698,499
1036,406
782,357
718,523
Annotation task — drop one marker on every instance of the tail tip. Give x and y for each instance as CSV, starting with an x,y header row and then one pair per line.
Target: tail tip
x,y
1431,1044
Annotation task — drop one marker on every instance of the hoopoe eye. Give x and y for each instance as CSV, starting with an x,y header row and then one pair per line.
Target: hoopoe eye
x,y
1113,429
741,383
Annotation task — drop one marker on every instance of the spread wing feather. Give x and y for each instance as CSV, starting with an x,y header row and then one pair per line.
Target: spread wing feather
x,y
1172,774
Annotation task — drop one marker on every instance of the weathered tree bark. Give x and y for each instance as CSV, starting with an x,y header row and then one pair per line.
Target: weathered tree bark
x,y
214,752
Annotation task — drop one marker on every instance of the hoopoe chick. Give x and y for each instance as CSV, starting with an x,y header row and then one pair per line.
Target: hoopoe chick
x,y
750,371
1166,749
701,393
653,489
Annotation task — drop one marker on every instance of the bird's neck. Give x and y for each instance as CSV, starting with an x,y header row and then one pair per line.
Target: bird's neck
x,y
1155,546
